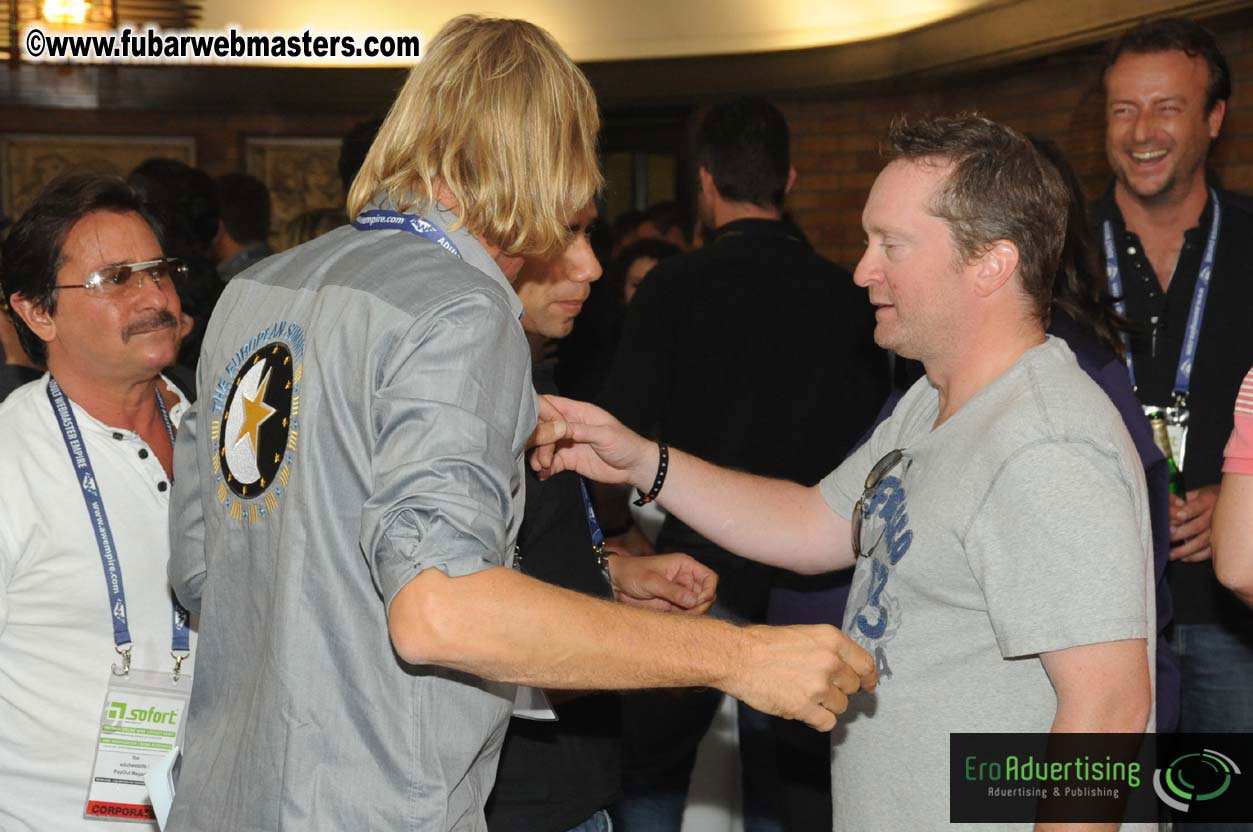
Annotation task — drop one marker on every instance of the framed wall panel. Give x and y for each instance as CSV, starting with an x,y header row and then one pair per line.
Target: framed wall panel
x,y
301,173
29,161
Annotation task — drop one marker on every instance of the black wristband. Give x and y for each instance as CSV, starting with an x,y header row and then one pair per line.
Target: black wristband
x,y
663,463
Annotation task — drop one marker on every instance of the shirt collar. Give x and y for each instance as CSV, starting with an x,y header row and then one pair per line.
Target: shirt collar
x,y
87,422
1107,205
756,227
472,251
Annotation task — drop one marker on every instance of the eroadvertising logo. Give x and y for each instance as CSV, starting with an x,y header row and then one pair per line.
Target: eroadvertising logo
x,y
1098,778
1194,777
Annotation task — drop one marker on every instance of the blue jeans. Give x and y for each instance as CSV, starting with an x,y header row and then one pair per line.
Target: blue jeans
x,y
1216,666
598,822
661,732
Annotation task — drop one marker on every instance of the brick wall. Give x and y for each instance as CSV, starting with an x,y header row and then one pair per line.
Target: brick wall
x,y
835,138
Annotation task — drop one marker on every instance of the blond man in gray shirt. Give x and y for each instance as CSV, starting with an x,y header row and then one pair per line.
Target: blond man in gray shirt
x,y
350,483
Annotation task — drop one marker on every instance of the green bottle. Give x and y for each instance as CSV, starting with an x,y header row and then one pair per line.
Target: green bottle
x,y
1162,438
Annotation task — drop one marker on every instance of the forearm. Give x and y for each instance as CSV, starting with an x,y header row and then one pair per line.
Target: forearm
x,y
501,625
1114,712
1124,710
771,521
1232,535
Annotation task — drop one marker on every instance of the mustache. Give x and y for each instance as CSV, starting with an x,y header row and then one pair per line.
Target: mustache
x,y
152,323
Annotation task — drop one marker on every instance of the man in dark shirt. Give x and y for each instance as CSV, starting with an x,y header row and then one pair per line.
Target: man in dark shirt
x,y
756,353
1177,249
561,775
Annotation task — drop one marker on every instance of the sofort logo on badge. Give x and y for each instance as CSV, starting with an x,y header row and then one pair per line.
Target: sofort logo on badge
x,y
152,715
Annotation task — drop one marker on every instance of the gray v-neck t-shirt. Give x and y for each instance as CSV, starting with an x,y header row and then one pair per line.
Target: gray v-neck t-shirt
x,y
1018,526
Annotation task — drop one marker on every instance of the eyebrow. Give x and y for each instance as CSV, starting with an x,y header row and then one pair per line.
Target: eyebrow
x,y
884,231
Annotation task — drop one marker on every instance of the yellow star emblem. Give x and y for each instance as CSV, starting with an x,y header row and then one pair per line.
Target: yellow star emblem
x,y
256,411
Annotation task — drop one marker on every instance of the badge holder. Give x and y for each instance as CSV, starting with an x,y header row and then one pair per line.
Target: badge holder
x,y
141,723
1176,417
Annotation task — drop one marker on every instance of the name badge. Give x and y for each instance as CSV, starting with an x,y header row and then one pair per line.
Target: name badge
x,y
140,723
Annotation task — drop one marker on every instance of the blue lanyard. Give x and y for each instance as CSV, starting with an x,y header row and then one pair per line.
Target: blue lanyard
x,y
593,525
180,641
1192,333
395,221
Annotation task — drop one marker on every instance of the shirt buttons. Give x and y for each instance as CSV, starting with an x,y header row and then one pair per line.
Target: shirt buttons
x,y
163,485
1131,249
143,453
118,436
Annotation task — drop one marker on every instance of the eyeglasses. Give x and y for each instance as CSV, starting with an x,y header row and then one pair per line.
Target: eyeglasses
x,y
866,504
115,281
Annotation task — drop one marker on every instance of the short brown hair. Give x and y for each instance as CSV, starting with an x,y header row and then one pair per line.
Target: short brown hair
x,y
499,114
1000,188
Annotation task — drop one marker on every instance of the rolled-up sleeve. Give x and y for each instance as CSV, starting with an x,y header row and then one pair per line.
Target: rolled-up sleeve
x,y
444,419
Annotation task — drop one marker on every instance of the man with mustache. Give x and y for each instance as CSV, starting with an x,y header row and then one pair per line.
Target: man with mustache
x,y
92,296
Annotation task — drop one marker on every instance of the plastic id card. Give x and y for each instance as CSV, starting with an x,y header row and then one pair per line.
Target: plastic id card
x,y
141,721
532,703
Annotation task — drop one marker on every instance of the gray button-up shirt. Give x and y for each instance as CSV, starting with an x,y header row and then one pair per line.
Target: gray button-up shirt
x,y
364,400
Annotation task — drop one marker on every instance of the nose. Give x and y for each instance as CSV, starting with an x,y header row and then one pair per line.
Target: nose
x,y
150,290
1144,126
867,270
584,267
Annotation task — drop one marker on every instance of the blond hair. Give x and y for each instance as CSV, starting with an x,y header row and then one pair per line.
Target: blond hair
x,y
499,115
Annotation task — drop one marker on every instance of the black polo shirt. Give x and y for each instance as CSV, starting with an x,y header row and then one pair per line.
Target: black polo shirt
x,y
753,353
554,775
1223,355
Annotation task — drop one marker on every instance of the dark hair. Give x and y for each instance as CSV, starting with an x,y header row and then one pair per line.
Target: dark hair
x,y
615,275
626,224
1081,287
744,146
245,203
665,216
32,251
1000,188
353,148
1177,34
184,199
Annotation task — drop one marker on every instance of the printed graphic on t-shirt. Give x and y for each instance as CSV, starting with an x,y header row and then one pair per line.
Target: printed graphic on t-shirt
x,y
886,538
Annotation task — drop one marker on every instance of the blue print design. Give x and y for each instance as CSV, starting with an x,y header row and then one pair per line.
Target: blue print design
x,y
875,619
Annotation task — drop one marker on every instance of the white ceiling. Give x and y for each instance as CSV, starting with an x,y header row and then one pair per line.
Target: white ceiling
x,y
598,30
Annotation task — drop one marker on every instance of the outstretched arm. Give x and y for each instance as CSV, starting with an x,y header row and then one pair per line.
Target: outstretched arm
x,y
771,521
502,625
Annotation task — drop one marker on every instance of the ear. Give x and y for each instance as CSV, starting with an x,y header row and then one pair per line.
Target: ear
x,y
707,187
791,180
1215,118
35,317
994,268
